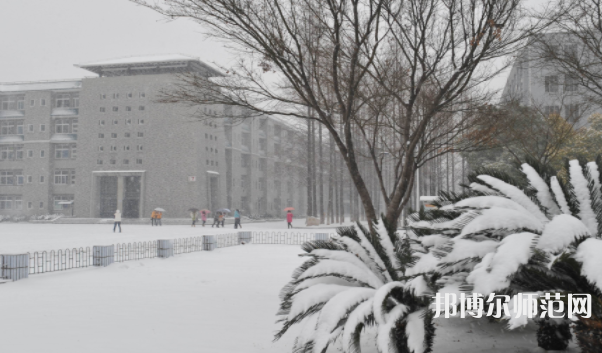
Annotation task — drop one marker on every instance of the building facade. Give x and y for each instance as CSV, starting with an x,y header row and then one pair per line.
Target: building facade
x,y
89,147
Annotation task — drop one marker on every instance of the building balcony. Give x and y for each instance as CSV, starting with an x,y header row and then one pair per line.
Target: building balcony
x,y
59,138
262,153
65,112
262,134
11,138
245,148
12,114
245,128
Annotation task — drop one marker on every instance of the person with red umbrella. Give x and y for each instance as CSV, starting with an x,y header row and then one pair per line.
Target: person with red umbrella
x,y
204,214
289,216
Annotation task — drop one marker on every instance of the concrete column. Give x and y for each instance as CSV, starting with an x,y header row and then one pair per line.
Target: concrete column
x,y
120,193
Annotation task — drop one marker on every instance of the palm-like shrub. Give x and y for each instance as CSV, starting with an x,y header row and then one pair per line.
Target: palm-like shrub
x,y
354,281
507,236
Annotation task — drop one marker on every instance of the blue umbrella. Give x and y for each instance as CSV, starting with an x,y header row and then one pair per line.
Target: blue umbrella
x,y
223,210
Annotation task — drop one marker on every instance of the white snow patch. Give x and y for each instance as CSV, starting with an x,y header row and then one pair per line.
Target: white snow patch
x,y
427,263
379,297
415,331
326,267
488,201
559,195
482,188
515,194
358,250
543,191
433,240
320,293
581,189
464,249
588,253
383,339
357,316
342,256
560,232
502,218
418,286
386,243
493,271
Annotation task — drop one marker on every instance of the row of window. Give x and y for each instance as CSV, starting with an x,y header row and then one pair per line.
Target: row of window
x,y
63,100
16,177
126,134
212,163
116,109
16,127
139,148
15,202
113,161
127,95
116,122
552,84
16,152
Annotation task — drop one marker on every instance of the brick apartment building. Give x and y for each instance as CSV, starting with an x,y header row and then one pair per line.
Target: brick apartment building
x,y
88,147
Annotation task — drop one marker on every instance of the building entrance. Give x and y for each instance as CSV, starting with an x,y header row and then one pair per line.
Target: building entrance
x,y
108,196
120,193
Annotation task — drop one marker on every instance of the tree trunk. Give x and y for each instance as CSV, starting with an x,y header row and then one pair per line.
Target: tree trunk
x,y
309,200
314,169
321,179
330,181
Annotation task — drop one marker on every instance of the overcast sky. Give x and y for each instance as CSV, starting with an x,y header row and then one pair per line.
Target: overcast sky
x,y
43,39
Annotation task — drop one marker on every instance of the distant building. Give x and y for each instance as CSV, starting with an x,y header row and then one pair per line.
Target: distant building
x,y
535,81
95,145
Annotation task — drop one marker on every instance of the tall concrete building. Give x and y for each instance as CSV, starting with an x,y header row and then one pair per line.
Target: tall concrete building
x,y
89,147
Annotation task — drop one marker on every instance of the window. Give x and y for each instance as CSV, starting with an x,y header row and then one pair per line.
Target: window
x,y
142,94
8,103
29,153
140,134
127,134
115,122
63,151
7,177
99,161
21,104
101,122
126,148
29,205
101,148
572,112
128,109
113,148
61,176
11,127
207,162
130,95
62,101
6,202
29,179
115,95
139,161
43,102
75,101
32,102
126,161
102,109
113,135
570,83
139,147
30,128
140,121
128,121
141,107
59,200
11,152
42,154
112,161
115,109
551,84
103,96
101,136
42,127
61,126
42,179
41,204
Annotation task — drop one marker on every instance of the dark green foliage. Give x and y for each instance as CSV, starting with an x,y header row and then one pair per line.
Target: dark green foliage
x,y
320,244
589,335
571,198
551,336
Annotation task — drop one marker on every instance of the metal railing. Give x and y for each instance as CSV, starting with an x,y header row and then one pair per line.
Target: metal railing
x,y
62,260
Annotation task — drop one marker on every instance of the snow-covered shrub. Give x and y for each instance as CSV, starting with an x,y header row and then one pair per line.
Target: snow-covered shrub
x,y
356,280
507,236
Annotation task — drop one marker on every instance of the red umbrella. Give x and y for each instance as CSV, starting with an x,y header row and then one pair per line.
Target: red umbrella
x,y
289,209
205,210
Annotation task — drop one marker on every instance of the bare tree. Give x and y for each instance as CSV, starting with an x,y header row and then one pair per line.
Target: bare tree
x,y
416,63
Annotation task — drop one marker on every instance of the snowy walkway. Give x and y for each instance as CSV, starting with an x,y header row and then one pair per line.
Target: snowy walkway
x,y
24,237
222,301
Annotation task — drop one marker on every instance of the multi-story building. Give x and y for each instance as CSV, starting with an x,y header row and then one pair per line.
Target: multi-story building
x,y
89,147
535,81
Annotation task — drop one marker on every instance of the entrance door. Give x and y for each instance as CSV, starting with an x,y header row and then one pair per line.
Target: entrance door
x,y
108,196
213,190
131,200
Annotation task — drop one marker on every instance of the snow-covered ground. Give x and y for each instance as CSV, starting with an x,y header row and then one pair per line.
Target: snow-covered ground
x,y
220,301
28,237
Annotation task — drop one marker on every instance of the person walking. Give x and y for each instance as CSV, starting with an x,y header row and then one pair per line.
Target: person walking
x,y
216,220
221,219
117,221
289,219
203,217
153,218
194,216
158,218
237,219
